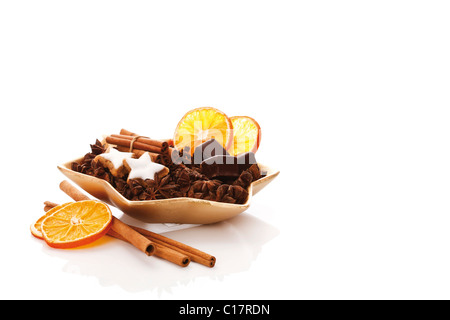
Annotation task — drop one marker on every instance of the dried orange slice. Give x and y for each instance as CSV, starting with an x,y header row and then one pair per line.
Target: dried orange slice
x,y
202,124
246,135
35,228
76,224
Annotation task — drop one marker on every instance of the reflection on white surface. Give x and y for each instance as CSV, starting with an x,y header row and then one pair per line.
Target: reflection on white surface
x,y
235,243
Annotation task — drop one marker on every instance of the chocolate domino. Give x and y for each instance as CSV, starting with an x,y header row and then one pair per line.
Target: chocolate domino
x,y
226,166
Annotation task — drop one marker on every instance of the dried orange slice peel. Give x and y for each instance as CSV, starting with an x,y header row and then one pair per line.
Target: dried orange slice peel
x,y
246,135
35,228
76,224
202,124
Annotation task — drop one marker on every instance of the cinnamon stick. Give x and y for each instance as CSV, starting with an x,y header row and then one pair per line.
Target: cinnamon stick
x,y
144,140
127,133
170,150
123,142
167,143
165,253
50,204
195,254
132,134
72,192
132,236
138,152
164,159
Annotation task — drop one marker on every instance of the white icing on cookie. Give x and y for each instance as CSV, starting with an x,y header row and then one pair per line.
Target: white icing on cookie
x,y
143,167
116,157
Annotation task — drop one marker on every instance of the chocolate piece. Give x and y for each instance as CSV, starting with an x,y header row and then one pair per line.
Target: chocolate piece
x,y
207,150
226,166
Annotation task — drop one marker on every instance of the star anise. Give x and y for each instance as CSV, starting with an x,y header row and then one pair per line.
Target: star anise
x,y
88,157
204,189
126,192
85,166
238,193
123,187
149,194
195,191
75,166
222,194
231,194
97,148
255,171
182,178
135,187
195,173
244,179
161,188
101,173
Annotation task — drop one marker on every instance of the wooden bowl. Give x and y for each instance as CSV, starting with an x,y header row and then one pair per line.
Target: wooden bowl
x,y
175,210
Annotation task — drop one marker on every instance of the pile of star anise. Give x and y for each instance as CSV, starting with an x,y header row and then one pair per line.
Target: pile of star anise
x,y
182,181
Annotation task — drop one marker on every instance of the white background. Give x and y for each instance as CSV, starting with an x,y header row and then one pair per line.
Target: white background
x,y
353,100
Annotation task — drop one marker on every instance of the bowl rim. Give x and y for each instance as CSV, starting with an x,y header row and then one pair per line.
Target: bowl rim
x,y
273,173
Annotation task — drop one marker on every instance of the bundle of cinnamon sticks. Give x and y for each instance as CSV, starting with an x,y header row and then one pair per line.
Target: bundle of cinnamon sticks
x,y
128,141
146,241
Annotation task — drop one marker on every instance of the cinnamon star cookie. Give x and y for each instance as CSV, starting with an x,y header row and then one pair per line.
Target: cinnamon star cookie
x,y
113,160
143,168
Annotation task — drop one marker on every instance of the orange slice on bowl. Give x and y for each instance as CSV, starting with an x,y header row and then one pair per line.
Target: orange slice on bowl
x,y
202,124
35,228
246,135
76,224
